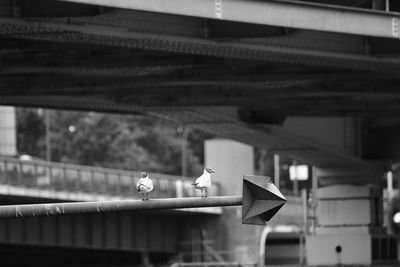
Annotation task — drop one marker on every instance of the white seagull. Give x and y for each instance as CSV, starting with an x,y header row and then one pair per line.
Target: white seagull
x,y
204,182
144,185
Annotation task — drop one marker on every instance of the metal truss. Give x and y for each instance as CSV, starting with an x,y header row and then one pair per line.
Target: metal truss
x,y
91,34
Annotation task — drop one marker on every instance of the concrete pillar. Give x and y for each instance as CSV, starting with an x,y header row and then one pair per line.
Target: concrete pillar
x,y
231,160
8,143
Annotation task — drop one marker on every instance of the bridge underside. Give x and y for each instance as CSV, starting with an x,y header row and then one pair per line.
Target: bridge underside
x,y
115,238
233,73
237,77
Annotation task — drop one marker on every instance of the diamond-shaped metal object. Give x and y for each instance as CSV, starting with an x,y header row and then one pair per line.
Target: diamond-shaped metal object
x,y
261,200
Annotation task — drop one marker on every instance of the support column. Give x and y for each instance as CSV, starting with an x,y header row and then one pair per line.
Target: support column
x,y
8,143
145,259
231,160
276,171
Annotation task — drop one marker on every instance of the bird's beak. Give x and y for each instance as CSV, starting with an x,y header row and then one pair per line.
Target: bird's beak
x,y
212,171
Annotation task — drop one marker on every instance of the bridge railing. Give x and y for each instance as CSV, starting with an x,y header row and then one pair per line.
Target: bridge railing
x,y
44,175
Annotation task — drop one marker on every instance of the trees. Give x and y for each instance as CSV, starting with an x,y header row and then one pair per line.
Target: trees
x,y
108,140
30,132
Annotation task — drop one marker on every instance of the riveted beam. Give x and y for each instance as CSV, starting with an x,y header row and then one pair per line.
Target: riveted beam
x,y
292,14
65,33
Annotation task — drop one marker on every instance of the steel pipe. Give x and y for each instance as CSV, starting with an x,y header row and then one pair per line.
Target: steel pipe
x,y
57,209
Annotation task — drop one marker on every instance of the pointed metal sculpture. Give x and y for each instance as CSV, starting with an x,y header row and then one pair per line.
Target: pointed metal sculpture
x,y
261,200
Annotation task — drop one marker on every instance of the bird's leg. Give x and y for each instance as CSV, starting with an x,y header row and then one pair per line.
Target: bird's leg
x,y
142,195
206,192
202,192
147,196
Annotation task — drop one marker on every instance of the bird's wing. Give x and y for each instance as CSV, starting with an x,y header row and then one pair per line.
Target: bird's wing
x,y
139,183
146,183
207,182
149,184
200,181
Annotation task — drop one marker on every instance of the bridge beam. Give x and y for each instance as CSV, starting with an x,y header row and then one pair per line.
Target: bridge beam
x,y
292,14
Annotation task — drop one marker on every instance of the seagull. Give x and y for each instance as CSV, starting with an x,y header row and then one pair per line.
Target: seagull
x,y
144,185
204,182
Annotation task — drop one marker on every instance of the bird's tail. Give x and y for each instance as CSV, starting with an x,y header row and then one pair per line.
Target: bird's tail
x,y
195,184
138,187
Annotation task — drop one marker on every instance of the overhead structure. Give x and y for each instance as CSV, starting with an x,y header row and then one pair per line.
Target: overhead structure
x,y
286,13
233,68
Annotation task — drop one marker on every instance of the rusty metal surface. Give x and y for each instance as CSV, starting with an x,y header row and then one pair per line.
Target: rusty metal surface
x,y
57,209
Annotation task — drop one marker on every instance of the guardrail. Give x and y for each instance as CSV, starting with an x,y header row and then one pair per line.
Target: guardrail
x,y
213,264
45,175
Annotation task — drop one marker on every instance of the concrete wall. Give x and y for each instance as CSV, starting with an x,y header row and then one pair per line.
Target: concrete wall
x,y
231,160
341,133
8,143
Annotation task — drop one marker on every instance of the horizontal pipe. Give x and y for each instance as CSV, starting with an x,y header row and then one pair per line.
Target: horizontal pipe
x,y
57,209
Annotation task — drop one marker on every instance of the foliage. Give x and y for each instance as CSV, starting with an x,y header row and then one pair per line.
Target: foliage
x,y
30,132
108,140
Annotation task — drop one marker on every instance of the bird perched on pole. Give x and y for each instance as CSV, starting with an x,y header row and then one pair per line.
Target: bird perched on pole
x,y
144,185
204,182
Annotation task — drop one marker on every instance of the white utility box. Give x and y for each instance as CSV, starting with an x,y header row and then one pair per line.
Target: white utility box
x,y
348,205
349,228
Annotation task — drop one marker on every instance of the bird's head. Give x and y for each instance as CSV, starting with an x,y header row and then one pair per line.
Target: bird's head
x,y
209,170
143,175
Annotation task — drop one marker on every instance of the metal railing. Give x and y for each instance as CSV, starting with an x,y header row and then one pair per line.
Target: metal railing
x,y
212,264
45,175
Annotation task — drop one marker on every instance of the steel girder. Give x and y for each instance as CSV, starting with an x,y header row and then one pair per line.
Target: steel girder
x,y
292,14
92,34
194,27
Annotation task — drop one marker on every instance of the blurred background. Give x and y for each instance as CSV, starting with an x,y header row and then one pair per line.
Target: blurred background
x,y
93,92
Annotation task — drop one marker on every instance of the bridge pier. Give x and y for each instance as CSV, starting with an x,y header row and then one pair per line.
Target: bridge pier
x,y
232,159
8,142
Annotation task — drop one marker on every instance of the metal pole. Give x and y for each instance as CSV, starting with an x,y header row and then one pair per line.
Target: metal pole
x,y
184,150
48,133
389,176
263,240
276,171
387,219
314,191
304,230
56,209
296,186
